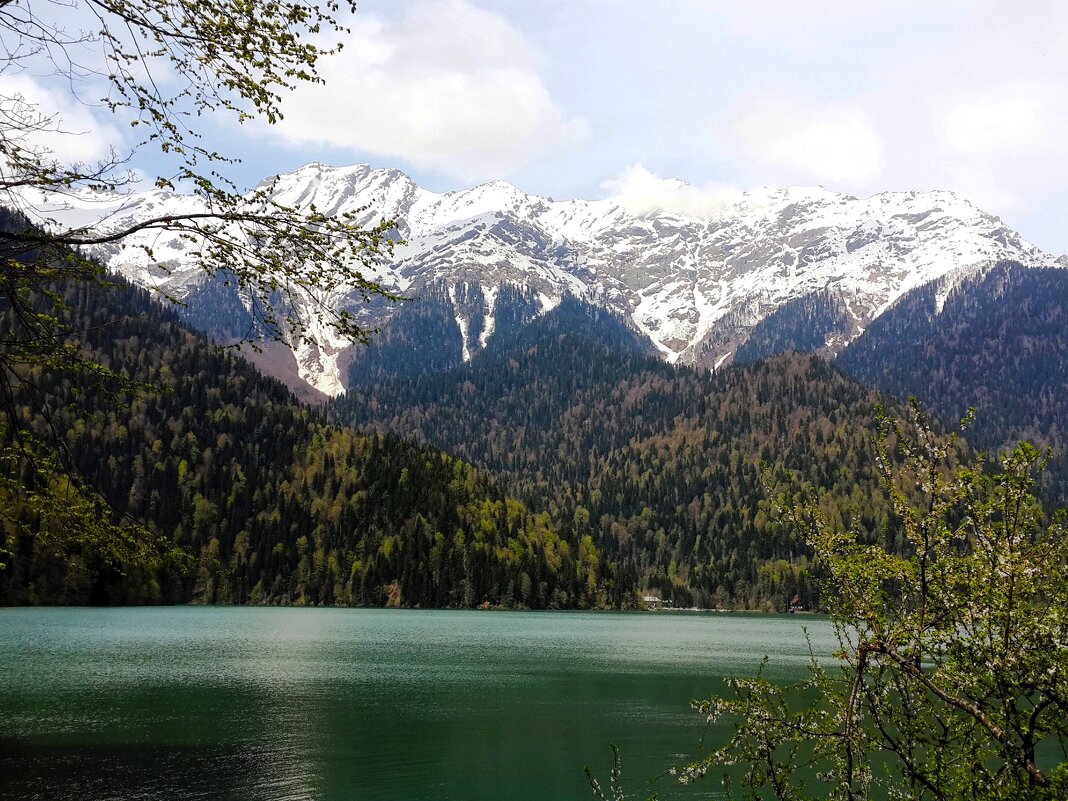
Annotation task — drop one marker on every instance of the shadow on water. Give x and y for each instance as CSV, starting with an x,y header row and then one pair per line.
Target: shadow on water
x,y
123,771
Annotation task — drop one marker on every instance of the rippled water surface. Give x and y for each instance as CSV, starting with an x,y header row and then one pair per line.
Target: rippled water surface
x,y
222,703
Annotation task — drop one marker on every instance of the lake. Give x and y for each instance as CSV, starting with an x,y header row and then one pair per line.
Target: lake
x,y
375,705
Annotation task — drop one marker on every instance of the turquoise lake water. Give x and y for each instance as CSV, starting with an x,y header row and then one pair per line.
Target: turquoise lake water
x,y
368,705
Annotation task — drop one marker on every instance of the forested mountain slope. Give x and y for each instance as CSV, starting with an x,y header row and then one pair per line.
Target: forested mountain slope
x,y
662,462
816,323
418,341
997,341
274,505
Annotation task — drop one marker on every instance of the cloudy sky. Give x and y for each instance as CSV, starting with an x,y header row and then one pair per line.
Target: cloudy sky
x,y
584,98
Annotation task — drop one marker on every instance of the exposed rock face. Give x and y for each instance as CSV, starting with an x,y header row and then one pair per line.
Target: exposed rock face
x,y
696,286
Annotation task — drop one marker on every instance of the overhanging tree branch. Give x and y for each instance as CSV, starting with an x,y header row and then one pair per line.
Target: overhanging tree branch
x,y
220,57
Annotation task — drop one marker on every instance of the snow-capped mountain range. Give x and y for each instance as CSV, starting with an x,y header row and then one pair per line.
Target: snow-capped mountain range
x,y
694,281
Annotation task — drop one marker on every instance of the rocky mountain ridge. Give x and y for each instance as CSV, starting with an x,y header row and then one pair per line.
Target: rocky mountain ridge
x,y
694,281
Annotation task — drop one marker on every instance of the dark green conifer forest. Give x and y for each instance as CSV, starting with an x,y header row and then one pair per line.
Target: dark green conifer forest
x,y
272,504
663,463
998,342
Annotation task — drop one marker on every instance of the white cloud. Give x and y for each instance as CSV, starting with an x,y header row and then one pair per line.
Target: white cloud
x,y
448,87
57,122
1006,119
832,143
640,192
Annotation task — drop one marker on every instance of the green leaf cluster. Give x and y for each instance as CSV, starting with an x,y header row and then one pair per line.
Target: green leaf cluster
x,y
952,675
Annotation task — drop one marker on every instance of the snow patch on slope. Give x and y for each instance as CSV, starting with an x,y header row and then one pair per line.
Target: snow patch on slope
x,y
461,323
489,322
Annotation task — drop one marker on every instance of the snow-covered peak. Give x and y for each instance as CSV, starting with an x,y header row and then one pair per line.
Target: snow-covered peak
x,y
694,269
